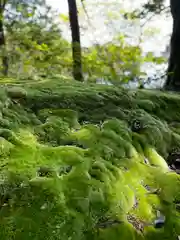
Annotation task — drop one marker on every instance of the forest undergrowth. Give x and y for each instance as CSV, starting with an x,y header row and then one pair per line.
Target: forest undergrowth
x,y
84,161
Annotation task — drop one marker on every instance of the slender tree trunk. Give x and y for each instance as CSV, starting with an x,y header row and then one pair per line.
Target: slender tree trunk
x,y
76,43
2,39
173,78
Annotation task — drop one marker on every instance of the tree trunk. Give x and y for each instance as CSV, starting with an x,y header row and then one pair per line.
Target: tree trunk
x,y
2,40
173,78
76,44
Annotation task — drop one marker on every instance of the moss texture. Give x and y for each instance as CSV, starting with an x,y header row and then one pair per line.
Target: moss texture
x,y
88,162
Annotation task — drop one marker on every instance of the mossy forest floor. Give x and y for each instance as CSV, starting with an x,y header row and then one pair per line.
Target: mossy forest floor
x,y
88,162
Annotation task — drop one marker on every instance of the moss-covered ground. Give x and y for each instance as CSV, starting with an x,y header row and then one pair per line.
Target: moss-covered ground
x,y
87,162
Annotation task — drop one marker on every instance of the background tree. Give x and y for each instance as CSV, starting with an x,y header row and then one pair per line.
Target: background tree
x,y
114,50
4,58
34,44
158,6
173,78
76,44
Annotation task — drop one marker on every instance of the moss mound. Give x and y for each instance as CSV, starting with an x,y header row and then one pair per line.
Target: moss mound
x,y
88,162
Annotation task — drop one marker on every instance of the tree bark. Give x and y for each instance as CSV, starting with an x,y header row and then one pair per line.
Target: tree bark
x,y
173,75
2,39
76,44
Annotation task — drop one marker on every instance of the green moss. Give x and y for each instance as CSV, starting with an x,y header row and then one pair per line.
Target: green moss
x,y
72,163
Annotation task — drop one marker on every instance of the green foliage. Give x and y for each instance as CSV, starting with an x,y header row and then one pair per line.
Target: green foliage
x,y
118,62
154,6
35,47
34,44
113,61
151,58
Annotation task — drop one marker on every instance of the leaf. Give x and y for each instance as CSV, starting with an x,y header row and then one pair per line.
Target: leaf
x,y
149,57
160,60
64,17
